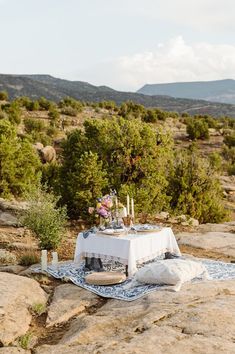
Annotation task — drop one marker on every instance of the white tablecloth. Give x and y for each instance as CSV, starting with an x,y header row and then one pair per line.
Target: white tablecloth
x,y
127,249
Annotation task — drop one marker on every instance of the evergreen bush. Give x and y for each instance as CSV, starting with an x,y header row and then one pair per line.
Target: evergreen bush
x,y
195,188
45,219
20,165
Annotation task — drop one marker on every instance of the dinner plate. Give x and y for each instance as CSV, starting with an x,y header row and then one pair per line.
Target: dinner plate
x,y
147,230
112,232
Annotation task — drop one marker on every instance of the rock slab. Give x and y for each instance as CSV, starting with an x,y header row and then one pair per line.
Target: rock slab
x,y
198,319
68,301
17,295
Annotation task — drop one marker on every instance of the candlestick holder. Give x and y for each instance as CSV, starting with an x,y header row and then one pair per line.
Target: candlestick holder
x,y
128,220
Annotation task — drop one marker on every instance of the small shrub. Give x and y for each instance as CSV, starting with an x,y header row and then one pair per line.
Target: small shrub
x,y
54,116
69,111
3,115
45,219
38,309
24,341
229,140
32,106
197,129
150,116
45,104
3,96
29,258
34,125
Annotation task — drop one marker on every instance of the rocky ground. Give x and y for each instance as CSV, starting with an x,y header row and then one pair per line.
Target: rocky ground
x,y
42,315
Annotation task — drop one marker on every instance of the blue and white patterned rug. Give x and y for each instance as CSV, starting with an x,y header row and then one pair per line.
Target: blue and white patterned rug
x,y
129,290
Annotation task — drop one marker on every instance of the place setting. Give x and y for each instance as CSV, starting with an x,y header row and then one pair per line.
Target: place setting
x,y
123,259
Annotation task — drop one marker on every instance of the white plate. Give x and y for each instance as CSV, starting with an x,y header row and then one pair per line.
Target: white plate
x,y
112,232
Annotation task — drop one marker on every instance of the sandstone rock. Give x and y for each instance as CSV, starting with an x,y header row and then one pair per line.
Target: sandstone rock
x,y
161,322
14,269
68,301
17,295
162,216
220,242
38,146
12,205
193,222
182,218
7,219
13,350
24,246
225,227
7,257
185,223
173,220
48,154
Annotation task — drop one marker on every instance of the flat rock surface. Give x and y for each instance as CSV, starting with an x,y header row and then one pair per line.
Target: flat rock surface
x,y
13,350
69,300
198,319
17,295
14,269
220,242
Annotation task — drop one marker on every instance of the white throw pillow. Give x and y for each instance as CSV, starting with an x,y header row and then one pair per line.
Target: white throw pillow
x,y
171,272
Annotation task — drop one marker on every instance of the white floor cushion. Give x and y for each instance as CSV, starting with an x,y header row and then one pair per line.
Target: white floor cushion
x,y
171,272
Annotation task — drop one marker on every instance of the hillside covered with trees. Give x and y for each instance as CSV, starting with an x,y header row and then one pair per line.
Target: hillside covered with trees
x,y
36,86
157,157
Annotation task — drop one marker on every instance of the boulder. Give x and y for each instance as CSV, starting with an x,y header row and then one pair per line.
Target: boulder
x,y
14,269
48,154
68,301
162,216
193,222
7,219
17,295
7,257
38,146
12,205
220,242
160,322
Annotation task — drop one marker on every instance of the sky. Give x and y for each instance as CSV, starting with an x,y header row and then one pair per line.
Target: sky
x,y
123,44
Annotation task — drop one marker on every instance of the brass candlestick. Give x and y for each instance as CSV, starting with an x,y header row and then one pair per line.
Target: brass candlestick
x,y
128,220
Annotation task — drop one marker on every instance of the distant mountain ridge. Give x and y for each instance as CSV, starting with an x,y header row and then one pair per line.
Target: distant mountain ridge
x,y
222,91
36,86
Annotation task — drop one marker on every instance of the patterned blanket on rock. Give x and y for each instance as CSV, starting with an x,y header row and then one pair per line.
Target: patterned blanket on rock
x,y
129,290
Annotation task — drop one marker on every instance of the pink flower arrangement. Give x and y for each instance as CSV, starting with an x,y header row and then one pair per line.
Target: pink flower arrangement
x,y
104,205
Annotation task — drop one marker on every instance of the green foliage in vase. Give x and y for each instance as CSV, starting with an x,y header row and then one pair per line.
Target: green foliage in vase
x,y
44,218
20,165
195,189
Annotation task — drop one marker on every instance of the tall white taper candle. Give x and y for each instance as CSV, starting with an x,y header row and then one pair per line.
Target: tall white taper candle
x,y
132,208
54,259
128,204
44,260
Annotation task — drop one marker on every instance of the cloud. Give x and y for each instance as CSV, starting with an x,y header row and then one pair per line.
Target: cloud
x,y
172,61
